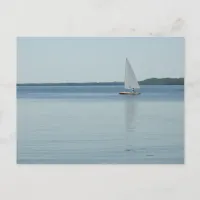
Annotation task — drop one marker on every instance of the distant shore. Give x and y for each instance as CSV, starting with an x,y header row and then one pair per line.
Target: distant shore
x,y
151,81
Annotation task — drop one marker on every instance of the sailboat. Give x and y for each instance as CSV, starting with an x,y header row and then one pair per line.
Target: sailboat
x,y
130,81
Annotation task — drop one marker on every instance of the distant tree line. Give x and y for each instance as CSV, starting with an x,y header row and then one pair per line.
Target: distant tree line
x,y
163,81
151,81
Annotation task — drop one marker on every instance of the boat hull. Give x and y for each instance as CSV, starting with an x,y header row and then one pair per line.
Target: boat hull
x,y
129,93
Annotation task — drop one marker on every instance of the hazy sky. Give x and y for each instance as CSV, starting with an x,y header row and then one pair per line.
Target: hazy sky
x,y
98,59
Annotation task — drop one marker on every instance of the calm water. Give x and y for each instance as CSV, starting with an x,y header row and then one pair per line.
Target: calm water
x,y
87,125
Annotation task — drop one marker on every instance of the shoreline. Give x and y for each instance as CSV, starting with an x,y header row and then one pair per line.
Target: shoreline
x,y
151,81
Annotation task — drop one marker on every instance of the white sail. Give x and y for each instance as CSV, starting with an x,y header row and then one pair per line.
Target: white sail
x,y
130,78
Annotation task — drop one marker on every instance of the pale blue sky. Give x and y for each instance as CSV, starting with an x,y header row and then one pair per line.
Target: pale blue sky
x,y
98,59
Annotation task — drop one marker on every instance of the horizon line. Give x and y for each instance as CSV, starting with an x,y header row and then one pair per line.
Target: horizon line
x,y
94,81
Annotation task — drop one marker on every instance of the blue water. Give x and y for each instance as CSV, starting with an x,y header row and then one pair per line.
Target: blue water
x,y
96,125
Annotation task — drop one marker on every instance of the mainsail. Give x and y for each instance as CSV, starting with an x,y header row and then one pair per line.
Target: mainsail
x,y
130,78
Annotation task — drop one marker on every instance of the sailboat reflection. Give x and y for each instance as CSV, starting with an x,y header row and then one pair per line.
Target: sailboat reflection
x,y
1,113
130,122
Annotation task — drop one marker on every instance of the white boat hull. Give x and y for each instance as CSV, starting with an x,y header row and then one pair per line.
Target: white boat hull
x,y
129,93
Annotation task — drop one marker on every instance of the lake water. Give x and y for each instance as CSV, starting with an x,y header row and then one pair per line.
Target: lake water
x,y
96,125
